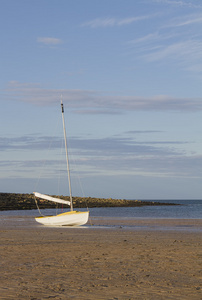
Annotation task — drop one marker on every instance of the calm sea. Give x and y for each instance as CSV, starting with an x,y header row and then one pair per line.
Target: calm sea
x,y
188,209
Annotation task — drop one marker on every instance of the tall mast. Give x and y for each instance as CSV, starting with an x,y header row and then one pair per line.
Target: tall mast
x,y
67,159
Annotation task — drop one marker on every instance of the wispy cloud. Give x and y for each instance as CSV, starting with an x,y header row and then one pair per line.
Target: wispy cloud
x,y
185,20
86,101
178,40
189,51
111,22
49,41
181,3
110,154
124,144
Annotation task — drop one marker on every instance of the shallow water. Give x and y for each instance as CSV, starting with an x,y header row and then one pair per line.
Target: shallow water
x,y
186,218
188,209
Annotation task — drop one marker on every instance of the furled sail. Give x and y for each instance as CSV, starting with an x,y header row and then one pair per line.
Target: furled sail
x,y
49,198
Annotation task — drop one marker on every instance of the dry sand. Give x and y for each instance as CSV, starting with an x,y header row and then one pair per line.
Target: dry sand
x,y
118,262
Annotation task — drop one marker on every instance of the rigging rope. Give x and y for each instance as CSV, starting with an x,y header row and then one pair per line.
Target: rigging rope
x,y
38,206
44,163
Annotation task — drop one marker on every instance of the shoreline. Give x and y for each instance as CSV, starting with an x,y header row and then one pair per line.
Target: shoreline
x,y
21,220
16,201
41,262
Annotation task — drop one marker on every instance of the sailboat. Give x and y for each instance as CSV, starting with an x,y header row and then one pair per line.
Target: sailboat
x,y
72,217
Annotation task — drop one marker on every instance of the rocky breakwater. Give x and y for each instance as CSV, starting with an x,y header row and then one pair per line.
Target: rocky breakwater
x,y
11,201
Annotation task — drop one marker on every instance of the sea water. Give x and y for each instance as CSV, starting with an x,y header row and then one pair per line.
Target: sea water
x,y
188,209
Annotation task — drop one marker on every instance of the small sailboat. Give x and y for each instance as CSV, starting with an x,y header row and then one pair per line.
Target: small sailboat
x,y
72,217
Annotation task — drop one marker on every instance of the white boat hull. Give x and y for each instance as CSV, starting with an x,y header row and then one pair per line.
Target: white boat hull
x,y
72,218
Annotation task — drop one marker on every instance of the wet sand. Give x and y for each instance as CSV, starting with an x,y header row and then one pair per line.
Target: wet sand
x,y
131,259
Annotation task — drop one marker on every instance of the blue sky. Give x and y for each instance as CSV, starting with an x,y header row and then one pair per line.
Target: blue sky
x,y
130,75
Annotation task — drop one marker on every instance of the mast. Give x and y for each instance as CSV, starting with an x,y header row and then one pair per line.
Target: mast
x,y
67,159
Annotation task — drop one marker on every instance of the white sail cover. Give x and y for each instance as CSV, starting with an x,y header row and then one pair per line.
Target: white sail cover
x,y
49,198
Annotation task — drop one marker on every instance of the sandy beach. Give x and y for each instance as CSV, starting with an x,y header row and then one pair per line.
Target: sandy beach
x,y
149,261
